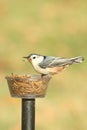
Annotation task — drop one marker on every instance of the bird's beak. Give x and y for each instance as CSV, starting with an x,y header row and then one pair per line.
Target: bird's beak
x,y
27,58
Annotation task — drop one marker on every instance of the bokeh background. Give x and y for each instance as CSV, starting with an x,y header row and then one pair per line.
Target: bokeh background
x,y
50,27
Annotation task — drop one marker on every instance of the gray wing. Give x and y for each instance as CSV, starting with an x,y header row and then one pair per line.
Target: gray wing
x,y
50,62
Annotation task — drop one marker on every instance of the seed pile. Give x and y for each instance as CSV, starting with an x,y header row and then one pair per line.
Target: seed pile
x,y
27,85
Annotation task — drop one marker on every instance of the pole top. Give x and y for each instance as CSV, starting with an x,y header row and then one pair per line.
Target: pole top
x,y
27,86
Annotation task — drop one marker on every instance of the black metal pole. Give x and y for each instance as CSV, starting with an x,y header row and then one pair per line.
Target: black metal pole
x,y
28,114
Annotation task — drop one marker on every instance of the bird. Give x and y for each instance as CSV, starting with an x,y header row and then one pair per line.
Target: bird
x,y
50,65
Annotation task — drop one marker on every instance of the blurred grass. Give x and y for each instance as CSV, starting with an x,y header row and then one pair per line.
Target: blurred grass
x,y
50,27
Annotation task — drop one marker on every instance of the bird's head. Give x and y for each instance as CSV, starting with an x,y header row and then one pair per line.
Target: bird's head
x,y
35,59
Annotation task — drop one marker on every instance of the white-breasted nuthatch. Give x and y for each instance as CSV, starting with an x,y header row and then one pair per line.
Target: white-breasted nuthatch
x,y
51,65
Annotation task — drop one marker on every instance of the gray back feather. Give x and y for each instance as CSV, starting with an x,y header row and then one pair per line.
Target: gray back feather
x,y
50,62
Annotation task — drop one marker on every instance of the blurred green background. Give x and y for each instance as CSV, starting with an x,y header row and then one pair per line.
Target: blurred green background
x,y
50,27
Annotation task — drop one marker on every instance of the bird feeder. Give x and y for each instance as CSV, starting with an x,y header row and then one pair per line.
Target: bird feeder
x,y
28,87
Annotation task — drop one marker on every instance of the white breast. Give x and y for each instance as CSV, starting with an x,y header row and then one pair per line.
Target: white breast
x,y
40,70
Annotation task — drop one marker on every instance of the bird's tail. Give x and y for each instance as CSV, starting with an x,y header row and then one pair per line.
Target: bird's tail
x,y
74,60
77,60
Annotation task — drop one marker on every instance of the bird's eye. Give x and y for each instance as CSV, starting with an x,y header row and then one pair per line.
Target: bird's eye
x,y
34,57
